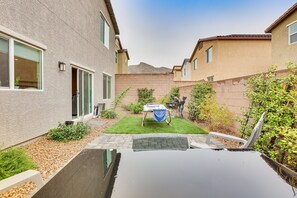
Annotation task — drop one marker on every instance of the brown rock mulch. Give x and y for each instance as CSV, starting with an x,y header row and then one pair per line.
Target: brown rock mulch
x,y
50,155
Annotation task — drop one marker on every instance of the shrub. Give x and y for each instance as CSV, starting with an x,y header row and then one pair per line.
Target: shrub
x,y
217,116
136,108
285,148
198,94
145,95
109,114
65,133
174,92
275,96
14,161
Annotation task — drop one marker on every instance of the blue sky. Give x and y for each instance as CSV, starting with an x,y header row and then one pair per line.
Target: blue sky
x,y
164,32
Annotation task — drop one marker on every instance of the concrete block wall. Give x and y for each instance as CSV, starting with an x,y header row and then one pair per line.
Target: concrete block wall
x,y
161,83
229,92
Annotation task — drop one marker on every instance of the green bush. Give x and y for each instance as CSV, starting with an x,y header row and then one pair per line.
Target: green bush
x,y
145,95
199,93
277,97
174,92
65,133
284,149
14,161
136,108
217,116
109,114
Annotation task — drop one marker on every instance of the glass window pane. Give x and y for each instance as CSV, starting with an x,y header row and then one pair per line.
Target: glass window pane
x,y
293,28
4,63
104,87
293,38
27,67
109,87
102,29
106,34
91,94
86,94
209,55
80,88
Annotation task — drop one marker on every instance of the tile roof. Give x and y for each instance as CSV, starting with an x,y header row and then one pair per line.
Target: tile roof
x,y
232,37
281,18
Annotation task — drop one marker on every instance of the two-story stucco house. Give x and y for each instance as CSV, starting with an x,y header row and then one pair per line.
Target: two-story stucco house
x,y
121,58
186,70
176,71
223,57
284,38
56,62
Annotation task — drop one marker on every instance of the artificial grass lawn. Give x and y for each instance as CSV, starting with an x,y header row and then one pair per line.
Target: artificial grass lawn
x,y
132,125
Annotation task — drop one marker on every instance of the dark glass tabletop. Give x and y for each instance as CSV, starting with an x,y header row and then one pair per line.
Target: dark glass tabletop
x,y
201,173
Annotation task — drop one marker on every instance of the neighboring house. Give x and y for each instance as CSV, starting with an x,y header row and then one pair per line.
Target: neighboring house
x,y
186,70
176,71
284,38
223,57
144,68
121,58
56,62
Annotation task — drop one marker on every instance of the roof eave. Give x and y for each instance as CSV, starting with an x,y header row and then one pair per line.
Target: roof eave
x,y
281,18
112,16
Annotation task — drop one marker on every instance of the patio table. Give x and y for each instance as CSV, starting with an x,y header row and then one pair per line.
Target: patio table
x,y
193,173
150,108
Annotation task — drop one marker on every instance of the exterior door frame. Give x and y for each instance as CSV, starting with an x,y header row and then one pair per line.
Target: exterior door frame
x,y
80,115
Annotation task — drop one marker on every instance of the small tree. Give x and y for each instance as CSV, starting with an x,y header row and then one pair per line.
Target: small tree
x,y
117,101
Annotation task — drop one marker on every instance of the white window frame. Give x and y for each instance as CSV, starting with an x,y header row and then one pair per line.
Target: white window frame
x,y
207,55
106,36
11,87
195,64
289,34
109,75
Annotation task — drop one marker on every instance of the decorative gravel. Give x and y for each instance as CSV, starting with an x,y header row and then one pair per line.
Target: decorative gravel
x,y
19,191
50,155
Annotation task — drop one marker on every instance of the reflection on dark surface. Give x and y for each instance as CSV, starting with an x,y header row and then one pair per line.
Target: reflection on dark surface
x,y
288,175
195,173
89,174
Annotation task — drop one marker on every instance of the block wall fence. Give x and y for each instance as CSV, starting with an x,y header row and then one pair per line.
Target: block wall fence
x,y
229,92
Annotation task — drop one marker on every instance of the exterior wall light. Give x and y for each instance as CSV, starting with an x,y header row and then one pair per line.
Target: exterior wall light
x,y
62,66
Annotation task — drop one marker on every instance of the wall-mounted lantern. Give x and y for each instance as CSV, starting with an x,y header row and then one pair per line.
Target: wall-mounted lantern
x,y
62,66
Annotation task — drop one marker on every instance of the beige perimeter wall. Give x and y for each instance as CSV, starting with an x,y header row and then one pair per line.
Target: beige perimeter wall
x,y
229,92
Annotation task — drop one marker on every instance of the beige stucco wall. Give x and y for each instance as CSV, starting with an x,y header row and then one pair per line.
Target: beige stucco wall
x,y
70,30
282,52
177,75
232,58
116,64
122,63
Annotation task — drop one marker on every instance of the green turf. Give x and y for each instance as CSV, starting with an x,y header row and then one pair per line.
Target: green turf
x,y
132,125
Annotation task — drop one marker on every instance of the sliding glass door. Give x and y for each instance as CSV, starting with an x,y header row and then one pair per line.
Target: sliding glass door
x,y
82,94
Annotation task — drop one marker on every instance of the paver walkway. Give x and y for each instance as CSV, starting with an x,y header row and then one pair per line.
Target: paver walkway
x,y
125,141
